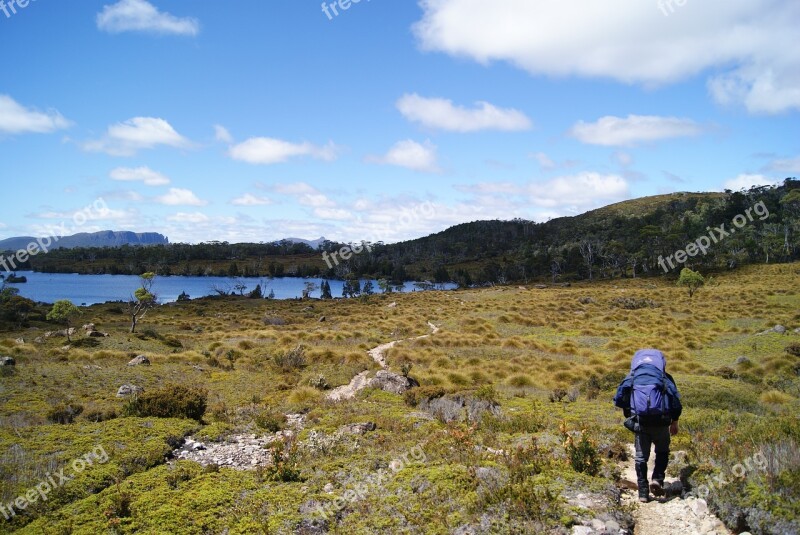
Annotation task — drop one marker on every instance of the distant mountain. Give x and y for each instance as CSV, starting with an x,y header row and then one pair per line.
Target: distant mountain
x,y
105,238
314,244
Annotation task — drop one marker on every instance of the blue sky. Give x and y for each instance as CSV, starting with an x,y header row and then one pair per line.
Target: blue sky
x,y
258,120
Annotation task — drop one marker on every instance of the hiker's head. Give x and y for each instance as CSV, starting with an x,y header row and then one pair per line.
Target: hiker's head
x,y
653,357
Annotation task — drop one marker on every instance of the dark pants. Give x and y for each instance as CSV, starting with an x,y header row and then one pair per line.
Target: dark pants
x,y
657,436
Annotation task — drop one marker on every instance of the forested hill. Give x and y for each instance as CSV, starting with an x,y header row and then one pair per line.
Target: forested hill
x,y
761,225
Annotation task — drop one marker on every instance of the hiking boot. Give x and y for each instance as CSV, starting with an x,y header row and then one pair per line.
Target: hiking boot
x,y
657,487
641,476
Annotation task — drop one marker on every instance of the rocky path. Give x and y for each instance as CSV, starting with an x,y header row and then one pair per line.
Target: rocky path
x,y
378,354
671,514
241,451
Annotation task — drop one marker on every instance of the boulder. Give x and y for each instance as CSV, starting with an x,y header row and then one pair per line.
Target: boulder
x,y
780,329
392,382
89,327
62,333
541,286
391,305
361,428
129,390
7,361
96,334
141,360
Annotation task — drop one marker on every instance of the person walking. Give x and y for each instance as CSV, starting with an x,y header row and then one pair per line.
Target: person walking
x,y
650,401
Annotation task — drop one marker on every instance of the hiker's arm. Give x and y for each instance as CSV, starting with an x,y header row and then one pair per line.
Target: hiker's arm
x,y
675,401
623,399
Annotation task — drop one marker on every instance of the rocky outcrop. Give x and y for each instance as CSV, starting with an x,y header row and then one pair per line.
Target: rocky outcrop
x,y
141,360
241,451
127,390
7,361
392,382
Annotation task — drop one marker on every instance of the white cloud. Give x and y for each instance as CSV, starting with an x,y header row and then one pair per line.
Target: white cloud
x,y
263,150
623,158
180,197
442,114
613,131
248,199
544,161
336,214
306,195
745,181
787,165
222,134
749,46
143,174
578,192
194,217
133,135
17,119
411,155
142,16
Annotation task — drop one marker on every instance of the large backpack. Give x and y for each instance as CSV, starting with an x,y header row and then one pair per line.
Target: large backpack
x,y
649,399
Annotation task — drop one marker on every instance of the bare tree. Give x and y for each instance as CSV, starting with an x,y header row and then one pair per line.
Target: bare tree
x,y
142,300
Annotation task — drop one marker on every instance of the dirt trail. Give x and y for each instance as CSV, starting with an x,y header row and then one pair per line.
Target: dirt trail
x,y
671,514
378,354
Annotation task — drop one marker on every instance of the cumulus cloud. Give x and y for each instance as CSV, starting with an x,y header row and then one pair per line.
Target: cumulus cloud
x,y
579,192
17,119
131,136
140,174
746,181
786,165
305,194
180,197
442,114
222,134
545,162
411,155
248,199
193,217
749,47
264,150
613,131
142,16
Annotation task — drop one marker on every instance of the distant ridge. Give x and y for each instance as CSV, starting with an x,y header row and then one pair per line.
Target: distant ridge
x,y
105,238
314,244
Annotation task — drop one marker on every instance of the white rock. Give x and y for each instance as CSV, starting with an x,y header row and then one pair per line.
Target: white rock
x,y
699,507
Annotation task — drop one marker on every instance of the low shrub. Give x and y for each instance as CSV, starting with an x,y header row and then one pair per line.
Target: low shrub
x,y
171,401
793,349
293,359
415,396
270,420
64,414
634,303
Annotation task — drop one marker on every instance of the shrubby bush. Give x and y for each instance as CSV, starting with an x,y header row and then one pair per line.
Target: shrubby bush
x,y
171,401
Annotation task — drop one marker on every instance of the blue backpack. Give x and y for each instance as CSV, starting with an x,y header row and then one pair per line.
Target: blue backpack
x,y
649,398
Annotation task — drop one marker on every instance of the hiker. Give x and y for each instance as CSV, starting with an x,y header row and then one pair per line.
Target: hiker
x,y
650,401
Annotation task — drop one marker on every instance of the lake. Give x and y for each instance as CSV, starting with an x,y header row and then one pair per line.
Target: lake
x,y
92,289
